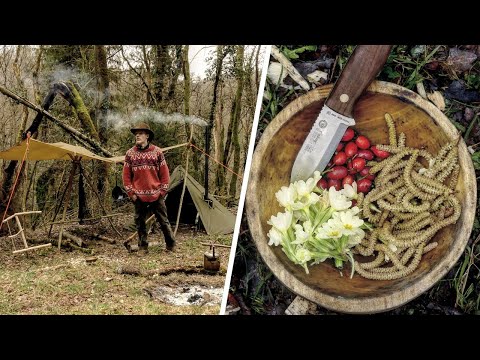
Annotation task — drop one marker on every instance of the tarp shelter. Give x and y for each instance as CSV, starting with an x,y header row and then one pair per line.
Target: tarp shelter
x,y
216,219
39,150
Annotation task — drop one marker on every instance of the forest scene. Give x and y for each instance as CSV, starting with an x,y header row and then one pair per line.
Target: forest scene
x,y
199,102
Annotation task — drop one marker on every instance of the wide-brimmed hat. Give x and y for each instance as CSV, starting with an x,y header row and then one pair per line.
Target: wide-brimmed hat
x,y
143,126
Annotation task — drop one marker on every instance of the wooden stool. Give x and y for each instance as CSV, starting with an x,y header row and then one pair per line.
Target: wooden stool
x,y
21,232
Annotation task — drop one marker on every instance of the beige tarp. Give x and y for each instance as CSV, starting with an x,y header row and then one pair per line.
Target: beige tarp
x,y
39,150
216,219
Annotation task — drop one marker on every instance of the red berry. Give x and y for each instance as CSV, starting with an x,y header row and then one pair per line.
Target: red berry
x,y
380,153
340,147
322,183
349,134
362,142
351,169
340,158
365,173
363,185
365,154
337,173
351,149
358,164
335,183
348,180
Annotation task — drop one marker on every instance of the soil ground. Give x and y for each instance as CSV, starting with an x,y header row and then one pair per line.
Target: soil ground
x,y
49,281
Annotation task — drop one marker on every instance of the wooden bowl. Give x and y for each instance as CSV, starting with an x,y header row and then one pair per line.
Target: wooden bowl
x,y
424,125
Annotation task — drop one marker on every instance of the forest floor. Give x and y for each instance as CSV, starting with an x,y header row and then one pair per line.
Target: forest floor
x,y
452,73
105,278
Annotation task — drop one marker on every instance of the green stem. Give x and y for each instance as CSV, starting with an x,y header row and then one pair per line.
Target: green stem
x,y
470,127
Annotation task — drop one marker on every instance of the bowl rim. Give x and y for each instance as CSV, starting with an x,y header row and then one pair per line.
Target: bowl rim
x,y
375,303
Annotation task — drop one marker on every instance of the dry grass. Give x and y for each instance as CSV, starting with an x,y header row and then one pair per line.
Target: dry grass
x,y
48,281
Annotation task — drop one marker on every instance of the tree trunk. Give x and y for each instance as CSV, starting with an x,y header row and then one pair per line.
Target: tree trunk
x,y
187,85
175,71
218,70
104,89
81,111
219,135
236,117
160,72
36,69
148,81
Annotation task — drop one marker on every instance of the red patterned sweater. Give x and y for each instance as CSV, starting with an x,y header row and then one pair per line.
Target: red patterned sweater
x,y
145,173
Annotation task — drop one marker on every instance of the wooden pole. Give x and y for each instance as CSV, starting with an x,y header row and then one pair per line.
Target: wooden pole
x,y
88,219
184,182
217,245
19,224
67,200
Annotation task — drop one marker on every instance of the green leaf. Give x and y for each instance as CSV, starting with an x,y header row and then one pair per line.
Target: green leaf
x,y
292,53
458,126
476,160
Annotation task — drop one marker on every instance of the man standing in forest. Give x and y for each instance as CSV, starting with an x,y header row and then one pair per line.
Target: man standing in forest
x,y
146,178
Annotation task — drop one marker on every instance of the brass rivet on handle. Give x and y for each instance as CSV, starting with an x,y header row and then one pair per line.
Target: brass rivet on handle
x,y
344,98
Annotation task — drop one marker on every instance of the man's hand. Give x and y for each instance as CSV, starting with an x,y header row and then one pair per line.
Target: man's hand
x,y
134,197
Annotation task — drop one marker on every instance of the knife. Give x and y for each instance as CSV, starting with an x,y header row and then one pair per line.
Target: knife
x,y
336,115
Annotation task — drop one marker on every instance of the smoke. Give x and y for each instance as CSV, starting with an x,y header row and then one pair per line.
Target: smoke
x,y
121,121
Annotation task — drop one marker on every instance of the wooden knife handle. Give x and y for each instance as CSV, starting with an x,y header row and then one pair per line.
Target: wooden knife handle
x,y
362,67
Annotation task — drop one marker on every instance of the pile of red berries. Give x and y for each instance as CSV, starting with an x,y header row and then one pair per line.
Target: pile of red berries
x,y
349,163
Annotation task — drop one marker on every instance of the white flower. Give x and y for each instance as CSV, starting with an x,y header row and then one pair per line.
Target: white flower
x,y
302,255
275,237
303,233
349,221
338,201
350,191
356,238
282,221
299,215
304,188
332,229
306,201
286,196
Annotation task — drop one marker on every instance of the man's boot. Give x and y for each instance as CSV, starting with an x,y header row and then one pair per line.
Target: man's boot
x,y
142,242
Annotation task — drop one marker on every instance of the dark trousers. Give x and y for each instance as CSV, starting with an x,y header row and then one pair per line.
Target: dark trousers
x,y
159,209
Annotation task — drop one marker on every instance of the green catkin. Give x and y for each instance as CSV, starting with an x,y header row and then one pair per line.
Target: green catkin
x,y
404,216
409,223
394,275
444,164
400,194
454,178
414,238
373,264
434,186
406,202
367,246
392,133
360,198
383,217
397,150
391,255
408,206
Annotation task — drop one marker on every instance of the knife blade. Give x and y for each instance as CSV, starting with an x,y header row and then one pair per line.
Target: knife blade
x,y
337,114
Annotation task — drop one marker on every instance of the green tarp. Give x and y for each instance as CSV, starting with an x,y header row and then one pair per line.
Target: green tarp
x,y
216,219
